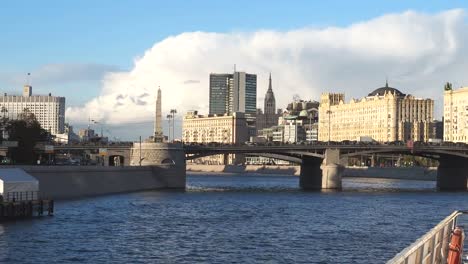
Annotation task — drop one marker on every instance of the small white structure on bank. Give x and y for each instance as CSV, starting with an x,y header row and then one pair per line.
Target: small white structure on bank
x,y
16,183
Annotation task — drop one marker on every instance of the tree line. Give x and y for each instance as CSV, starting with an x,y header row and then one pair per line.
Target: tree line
x,y
27,131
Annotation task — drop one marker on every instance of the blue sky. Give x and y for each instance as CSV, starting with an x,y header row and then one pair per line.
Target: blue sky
x,y
96,37
113,32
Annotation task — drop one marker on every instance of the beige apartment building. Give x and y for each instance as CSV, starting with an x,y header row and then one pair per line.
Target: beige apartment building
x,y
456,114
225,129
385,115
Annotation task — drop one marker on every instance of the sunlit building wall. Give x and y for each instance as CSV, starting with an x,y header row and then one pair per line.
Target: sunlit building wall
x,y
385,115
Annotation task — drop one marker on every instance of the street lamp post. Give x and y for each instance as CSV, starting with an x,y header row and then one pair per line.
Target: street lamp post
x,y
173,112
169,125
170,116
329,125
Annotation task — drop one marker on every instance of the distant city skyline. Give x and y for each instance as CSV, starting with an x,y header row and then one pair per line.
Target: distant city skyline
x,y
107,58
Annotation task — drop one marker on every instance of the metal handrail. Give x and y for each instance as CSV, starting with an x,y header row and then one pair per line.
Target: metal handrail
x,y
433,246
22,196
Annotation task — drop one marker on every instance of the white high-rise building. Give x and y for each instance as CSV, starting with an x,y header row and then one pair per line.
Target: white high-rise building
x,y
49,110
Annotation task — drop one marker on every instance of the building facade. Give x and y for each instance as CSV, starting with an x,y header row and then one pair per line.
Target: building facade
x,y
385,115
311,132
294,131
456,114
49,110
230,93
224,129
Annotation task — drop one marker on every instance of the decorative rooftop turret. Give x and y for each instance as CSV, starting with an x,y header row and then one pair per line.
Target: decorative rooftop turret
x,y
386,89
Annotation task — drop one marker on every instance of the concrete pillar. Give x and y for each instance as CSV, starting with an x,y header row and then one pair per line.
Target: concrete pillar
x,y
317,174
332,170
452,174
311,174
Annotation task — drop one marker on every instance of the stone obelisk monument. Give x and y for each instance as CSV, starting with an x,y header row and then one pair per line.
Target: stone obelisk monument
x,y
167,159
158,134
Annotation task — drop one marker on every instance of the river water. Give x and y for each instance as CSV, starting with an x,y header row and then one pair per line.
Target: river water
x,y
235,219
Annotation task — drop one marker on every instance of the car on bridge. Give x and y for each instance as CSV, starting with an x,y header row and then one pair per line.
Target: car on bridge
x,y
396,143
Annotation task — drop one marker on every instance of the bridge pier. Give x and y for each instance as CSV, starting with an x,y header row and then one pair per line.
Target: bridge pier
x,y
452,174
311,174
317,174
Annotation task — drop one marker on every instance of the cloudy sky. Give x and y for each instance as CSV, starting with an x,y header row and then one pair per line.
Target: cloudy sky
x,y
109,58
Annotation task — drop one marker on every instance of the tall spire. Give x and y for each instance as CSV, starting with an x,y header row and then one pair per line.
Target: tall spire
x,y
386,82
269,103
269,84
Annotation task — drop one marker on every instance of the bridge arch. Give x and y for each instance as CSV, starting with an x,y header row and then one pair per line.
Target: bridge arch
x,y
167,161
281,156
116,160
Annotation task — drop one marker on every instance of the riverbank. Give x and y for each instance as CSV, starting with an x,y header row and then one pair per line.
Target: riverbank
x,y
65,182
413,173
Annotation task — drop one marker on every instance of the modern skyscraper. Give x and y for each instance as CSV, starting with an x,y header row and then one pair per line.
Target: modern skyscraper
x,y
219,92
158,134
230,93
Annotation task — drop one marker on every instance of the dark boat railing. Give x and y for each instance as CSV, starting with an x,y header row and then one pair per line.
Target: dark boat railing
x,y
433,246
25,204
22,196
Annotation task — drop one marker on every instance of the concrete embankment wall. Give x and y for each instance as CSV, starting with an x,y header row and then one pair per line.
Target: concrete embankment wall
x,y
63,182
417,173
414,173
268,169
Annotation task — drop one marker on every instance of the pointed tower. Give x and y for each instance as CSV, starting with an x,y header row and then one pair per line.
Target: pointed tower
x,y
270,103
158,134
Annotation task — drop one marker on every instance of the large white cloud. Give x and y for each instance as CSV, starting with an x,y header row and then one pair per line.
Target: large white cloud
x,y
418,52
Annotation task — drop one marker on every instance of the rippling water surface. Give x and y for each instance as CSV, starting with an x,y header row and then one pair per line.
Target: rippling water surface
x,y
235,219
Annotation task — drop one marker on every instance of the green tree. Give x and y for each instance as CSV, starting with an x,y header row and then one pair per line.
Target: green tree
x,y
28,132
448,86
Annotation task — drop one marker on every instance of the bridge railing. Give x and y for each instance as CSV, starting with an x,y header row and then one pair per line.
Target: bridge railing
x,y
433,246
22,196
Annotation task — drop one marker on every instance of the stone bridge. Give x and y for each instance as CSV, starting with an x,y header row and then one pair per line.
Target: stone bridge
x,y
321,165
